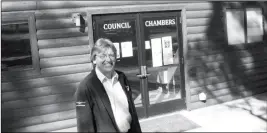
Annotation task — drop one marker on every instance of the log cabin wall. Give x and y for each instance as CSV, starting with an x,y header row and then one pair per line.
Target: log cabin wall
x,y
44,102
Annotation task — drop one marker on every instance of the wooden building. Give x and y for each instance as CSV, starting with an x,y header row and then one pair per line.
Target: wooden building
x,y
171,51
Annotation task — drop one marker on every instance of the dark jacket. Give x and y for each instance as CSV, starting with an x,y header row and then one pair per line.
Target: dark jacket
x,y
93,108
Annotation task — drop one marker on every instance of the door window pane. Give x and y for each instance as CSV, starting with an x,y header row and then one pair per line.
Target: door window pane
x,y
122,32
162,58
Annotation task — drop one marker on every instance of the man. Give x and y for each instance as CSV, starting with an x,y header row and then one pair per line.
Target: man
x,y
104,99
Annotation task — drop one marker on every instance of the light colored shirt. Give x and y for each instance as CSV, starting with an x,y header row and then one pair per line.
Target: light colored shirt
x,y
118,100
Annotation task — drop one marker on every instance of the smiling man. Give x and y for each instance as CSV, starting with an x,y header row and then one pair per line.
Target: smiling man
x,y
104,99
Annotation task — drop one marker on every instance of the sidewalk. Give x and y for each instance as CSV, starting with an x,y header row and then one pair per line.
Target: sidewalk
x,y
243,115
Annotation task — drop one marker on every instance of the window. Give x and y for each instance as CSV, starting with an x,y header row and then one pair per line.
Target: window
x,y
244,25
19,44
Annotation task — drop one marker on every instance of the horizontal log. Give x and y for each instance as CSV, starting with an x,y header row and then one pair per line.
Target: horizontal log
x,y
38,92
15,36
64,60
11,76
197,29
253,58
18,6
42,82
199,6
223,92
7,29
78,4
66,13
70,129
38,110
31,102
209,102
63,42
206,44
59,116
214,87
70,69
64,51
199,14
213,56
198,22
203,37
208,81
212,94
253,69
195,54
202,29
56,23
47,127
61,33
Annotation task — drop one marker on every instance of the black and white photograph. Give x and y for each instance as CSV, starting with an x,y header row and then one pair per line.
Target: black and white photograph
x,y
133,66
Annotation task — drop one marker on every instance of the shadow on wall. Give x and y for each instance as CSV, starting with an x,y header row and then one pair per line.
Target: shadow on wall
x,y
221,69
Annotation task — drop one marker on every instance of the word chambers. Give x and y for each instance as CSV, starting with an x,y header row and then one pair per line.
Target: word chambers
x,y
160,22
126,25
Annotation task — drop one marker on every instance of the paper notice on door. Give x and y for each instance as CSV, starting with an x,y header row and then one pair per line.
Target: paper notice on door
x,y
127,49
156,52
147,43
117,46
167,50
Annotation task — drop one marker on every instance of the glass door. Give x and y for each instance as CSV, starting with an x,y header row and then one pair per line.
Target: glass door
x,y
121,29
150,53
161,36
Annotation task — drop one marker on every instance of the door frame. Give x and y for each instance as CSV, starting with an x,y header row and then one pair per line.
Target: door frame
x,y
147,8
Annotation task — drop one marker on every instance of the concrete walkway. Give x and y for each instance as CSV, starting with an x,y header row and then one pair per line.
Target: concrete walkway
x,y
243,115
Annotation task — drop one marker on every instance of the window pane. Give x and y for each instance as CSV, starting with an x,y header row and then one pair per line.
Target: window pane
x,y
235,26
15,47
254,25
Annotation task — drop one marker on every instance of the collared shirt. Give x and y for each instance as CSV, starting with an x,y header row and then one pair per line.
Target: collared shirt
x,y
118,100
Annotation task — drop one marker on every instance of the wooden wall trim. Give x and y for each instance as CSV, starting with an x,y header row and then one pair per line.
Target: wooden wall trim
x,y
34,44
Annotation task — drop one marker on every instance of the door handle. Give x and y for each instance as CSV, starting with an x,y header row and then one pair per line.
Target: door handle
x,y
143,75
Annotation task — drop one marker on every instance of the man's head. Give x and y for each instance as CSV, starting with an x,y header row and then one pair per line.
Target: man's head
x,y
103,55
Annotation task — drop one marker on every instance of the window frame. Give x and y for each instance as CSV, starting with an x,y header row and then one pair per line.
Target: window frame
x,y
30,18
242,7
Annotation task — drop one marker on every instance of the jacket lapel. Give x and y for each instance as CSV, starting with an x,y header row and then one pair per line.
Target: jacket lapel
x,y
126,89
99,88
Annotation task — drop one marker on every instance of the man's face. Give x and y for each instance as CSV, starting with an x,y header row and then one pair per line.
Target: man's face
x,y
105,60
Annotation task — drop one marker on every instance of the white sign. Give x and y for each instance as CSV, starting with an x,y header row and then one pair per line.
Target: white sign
x,y
156,52
127,49
117,46
151,23
113,26
167,50
147,43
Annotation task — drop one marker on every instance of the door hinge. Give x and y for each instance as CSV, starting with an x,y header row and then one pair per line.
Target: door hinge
x,y
180,20
182,60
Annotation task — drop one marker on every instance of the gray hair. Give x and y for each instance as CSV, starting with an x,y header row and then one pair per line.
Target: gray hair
x,y
100,45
